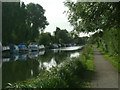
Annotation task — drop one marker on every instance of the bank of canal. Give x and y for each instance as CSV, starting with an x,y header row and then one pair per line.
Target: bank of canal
x,y
21,67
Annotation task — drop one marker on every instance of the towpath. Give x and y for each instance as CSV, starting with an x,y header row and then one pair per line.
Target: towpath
x,y
105,74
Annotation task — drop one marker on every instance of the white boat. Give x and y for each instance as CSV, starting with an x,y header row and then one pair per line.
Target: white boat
x,y
22,48
16,49
33,47
41,47
5,48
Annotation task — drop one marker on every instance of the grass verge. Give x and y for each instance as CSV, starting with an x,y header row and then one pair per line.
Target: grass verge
x,y
87,57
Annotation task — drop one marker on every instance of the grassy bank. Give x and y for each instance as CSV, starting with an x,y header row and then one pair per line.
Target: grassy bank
x,y
112,58
72,73
87,57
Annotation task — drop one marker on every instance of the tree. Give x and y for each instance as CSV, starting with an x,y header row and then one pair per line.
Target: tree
x,y
21,23
45,38
12,21
36,19
62,36
97,16
91,16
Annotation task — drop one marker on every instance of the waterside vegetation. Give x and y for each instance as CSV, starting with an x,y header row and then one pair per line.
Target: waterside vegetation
x,y
71,73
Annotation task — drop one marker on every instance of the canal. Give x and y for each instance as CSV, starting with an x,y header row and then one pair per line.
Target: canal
x,y
20,67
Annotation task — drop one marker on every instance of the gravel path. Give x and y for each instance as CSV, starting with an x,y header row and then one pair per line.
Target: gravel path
x,y
105,75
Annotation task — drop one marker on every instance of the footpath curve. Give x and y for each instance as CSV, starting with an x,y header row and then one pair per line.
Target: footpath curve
x,y
105,74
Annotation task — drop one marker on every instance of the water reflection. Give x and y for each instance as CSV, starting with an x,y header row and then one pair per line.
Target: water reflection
x,y
24,66
24,56
19,70
48,65
76,54
21,57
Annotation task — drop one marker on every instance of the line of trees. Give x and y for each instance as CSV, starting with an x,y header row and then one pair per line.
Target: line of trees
x,y
26,23
102,17
22,23
61,36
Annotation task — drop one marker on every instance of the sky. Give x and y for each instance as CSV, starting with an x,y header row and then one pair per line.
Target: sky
x,y
54,12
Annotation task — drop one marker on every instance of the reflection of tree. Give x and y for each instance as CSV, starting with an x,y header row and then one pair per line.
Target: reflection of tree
x,y
63,55
60,56
19,70
22,70
46,57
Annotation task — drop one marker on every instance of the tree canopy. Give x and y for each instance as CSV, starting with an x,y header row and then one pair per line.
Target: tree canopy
x,y
22,23
91,16
62,36
102,17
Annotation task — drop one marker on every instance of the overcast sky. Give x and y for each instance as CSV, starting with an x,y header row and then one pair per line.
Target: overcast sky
x,y
54,13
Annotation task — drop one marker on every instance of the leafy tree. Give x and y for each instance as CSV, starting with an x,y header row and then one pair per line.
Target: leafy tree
x,y
45,38
9,21
62,36
91,16
36,19
21,23
102,17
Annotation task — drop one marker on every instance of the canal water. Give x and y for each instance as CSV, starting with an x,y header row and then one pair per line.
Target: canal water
x,y
20,67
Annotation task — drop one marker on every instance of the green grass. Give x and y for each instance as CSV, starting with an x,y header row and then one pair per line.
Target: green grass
x,y
87,58
90,65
